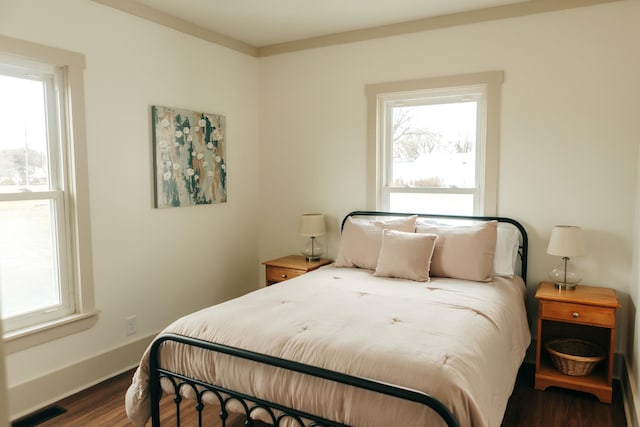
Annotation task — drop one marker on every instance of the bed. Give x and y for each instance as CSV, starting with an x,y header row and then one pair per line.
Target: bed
x,y
375,339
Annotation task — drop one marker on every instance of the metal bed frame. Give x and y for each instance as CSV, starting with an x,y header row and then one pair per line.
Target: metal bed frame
x,y
281,415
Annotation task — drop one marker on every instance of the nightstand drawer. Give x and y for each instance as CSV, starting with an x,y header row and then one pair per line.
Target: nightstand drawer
x,y
578,313
288,267
278,274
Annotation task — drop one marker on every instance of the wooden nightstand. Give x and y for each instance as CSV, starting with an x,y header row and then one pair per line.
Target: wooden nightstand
x,y
281,269
588,313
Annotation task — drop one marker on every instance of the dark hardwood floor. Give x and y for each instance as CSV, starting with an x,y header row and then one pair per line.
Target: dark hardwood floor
x,y
103,405
556,407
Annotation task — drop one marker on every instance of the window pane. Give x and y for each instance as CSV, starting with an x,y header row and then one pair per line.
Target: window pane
x,y
23,140
434,146
449,204
28,279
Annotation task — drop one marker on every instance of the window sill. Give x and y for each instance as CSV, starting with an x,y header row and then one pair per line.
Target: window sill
x,y
22,339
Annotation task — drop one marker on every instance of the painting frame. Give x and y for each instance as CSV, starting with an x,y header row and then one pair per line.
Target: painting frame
x,y
189,157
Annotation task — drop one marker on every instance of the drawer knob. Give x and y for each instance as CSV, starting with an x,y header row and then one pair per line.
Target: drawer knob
x,y
575,314
284,276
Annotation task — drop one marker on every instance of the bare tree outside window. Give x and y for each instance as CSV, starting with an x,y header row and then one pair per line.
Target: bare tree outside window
x,y
433,145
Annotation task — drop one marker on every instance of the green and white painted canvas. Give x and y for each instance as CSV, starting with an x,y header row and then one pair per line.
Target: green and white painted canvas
x,y
189,157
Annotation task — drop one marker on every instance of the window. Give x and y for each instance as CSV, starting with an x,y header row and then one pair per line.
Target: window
x,y
33,203
433,145
45,257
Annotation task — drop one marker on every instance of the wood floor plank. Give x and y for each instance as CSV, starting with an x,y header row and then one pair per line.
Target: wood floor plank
x,y
103,406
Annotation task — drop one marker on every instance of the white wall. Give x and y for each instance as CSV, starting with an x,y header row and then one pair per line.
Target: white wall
x,y
568,133
4,402
568,137
156,264
633,343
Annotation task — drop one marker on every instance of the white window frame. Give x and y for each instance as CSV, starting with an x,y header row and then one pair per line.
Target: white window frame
x,y
71,194
51,78
381,97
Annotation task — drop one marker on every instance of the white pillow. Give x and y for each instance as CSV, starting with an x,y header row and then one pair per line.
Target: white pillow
x,y
507,245
405,255
361,240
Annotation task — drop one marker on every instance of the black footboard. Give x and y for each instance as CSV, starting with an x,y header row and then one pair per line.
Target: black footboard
x,y
278,413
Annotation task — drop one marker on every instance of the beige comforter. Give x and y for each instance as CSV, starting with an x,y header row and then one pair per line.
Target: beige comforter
x,y
459,341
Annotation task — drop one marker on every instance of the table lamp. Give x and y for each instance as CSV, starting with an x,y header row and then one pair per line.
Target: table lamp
x,y
566,241
312,226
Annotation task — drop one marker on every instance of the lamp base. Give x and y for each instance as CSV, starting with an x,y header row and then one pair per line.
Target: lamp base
x,y
565,286
313,251
564,276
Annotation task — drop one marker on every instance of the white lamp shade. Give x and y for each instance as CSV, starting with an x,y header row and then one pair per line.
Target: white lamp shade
x,y
566,241
312,225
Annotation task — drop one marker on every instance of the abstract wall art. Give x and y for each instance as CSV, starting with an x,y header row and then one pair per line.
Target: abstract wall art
x,y
189,157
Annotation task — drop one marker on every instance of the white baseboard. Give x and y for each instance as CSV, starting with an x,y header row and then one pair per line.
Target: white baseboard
x,y
35,394
629,397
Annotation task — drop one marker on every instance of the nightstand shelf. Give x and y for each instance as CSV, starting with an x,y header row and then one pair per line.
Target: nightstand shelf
x,y
596,383
285,268
588,313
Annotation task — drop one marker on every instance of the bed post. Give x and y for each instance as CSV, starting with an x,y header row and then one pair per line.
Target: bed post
x,y
155,391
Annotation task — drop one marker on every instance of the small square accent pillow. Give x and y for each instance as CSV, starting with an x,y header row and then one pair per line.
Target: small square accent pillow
x,y
361,240
463,252
405,255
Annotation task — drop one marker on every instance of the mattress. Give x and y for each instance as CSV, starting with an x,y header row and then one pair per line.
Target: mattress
x,y
459,341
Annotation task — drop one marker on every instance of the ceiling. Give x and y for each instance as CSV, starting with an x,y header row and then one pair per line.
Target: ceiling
x,y
267,22
270,27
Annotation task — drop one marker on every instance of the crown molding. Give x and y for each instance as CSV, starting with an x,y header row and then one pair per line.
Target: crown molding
x,y
513,10
529,7
154,15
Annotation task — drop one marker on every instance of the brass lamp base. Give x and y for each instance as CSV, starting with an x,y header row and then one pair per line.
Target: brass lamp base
x,y
565,286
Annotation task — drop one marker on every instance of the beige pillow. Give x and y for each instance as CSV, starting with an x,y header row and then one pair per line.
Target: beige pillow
x,y
463,252
405,255
361,240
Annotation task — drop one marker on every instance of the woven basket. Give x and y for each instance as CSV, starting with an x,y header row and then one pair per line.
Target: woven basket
x,y
573,356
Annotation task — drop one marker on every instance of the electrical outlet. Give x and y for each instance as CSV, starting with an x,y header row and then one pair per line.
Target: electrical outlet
x,y
132,325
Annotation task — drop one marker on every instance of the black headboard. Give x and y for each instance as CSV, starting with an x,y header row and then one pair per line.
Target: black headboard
x,y
524,240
